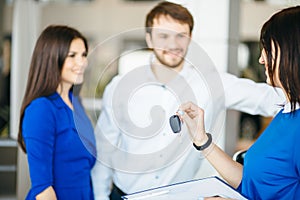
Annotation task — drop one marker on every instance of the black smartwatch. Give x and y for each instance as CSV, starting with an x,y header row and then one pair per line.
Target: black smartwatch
x,y
204,146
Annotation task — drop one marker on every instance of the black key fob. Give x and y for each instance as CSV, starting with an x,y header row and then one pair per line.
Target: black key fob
x,y
175,123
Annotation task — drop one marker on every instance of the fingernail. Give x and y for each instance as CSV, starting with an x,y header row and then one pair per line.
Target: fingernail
x,y
180,112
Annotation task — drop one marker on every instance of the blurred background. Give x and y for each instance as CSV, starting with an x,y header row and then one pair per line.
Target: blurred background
x,y
228,30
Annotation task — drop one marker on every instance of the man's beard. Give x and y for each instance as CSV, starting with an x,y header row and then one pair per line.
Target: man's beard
x,y
175,65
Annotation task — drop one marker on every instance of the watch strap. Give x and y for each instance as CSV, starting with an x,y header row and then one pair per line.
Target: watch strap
x,y
204,146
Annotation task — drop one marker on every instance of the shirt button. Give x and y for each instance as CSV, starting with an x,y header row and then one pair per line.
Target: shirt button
x,y
156,177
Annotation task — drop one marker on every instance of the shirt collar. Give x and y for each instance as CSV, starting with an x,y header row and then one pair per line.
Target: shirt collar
x,y
287,107
57,100
184,72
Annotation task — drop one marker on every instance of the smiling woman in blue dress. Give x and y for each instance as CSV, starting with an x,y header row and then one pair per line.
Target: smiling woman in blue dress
x,y
55,131
272,165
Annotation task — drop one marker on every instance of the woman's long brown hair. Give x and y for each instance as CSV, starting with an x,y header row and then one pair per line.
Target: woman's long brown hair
x,y
47,60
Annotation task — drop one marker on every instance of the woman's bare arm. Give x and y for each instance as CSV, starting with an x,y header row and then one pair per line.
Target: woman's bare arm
x,y
230,170
47,194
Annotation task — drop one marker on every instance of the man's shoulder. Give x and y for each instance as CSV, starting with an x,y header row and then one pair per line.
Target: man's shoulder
x,y
139,72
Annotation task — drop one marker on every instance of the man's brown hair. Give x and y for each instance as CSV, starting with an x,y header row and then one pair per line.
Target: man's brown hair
x,y
173,10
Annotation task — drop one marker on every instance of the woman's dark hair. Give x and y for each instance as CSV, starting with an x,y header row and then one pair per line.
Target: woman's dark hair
x,y
282,31
47,60
173,10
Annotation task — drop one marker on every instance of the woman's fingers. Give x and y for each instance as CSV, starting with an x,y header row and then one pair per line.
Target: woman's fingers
x,y
193,116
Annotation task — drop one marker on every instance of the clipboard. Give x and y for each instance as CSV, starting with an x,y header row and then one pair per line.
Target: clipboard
x,y
189,190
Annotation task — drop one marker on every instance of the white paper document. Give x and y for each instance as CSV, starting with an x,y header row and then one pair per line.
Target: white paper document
x,y
190,190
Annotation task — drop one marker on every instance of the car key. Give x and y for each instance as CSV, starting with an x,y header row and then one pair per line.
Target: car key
x,y
175,123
